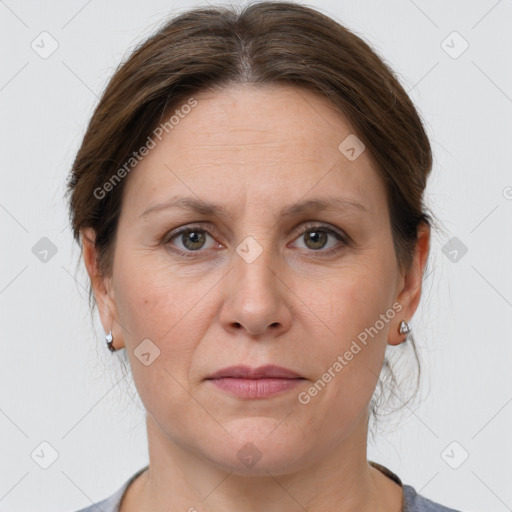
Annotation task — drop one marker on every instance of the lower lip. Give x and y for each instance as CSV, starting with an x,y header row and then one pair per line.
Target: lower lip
x,y
255,388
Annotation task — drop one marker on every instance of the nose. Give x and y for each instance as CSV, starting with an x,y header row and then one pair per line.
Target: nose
x,y
257,296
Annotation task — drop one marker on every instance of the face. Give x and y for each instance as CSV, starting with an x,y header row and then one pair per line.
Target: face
x,y
256,282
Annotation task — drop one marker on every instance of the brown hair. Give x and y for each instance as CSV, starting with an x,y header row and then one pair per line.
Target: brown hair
x,y
266,42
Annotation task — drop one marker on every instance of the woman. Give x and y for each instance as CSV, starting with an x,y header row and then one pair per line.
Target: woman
x,y
249,200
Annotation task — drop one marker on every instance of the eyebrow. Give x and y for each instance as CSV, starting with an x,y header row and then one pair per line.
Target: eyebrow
x,y
214,209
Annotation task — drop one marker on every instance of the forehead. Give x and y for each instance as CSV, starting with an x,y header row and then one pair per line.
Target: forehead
x,y
263,119
259,142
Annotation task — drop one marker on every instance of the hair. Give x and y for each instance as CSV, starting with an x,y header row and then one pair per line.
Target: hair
x,y
209,48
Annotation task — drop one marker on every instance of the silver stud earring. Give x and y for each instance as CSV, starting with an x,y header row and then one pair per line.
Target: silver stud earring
x,y
110,342
404,328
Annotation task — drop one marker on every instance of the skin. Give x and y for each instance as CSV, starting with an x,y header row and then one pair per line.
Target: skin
x,y
255,150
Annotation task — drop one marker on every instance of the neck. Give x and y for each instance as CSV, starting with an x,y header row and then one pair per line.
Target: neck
x,y
180,480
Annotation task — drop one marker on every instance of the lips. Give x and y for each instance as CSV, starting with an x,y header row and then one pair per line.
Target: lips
x,y
262,372
255,383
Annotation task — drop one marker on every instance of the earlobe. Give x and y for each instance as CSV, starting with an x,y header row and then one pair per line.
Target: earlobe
x,y
402,332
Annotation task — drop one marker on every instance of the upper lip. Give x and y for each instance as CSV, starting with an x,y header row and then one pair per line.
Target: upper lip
x,y
246,372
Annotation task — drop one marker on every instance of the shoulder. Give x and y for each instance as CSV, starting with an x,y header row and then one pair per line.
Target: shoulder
x,y
414,502
112,502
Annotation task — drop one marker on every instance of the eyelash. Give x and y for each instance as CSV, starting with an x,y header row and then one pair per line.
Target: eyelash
x,y
304,229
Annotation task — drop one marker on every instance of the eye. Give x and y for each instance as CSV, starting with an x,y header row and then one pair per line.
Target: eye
x,y
192,240
316,237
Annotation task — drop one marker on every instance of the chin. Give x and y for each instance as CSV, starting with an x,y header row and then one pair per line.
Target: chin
x,y
258,446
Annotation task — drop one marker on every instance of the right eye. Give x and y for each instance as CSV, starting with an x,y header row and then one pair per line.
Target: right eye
x,y
191,238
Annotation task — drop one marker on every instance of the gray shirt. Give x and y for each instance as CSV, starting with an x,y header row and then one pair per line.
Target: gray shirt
x,y
412,501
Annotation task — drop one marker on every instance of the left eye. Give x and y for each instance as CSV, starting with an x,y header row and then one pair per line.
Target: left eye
x,y
316,237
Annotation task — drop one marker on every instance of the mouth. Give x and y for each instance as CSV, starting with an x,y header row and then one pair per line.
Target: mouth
x,y
261,382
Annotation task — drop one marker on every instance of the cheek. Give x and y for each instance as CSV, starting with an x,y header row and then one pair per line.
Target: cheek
x,y
153,300
169,309
355,306
353,297
156,309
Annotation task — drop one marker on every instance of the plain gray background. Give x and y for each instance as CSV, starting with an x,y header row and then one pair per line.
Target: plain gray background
x,y
58,383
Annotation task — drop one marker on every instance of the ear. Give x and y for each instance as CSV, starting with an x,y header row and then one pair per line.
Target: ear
x,y
102,288
410,285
